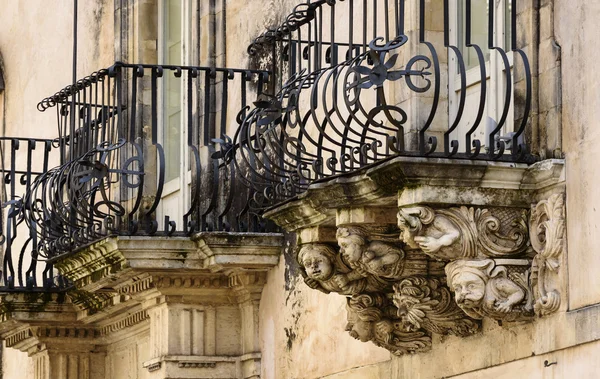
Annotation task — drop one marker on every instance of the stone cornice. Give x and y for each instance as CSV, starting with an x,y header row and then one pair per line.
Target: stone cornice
x,y
119,280
230,251
474,182
124,322
116,260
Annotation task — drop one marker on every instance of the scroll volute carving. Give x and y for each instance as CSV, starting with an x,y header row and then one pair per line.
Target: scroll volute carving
x,y
463,232
547,229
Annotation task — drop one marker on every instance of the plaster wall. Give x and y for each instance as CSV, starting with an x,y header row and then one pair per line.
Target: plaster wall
x,y
32,74
124,358
302,330
303,336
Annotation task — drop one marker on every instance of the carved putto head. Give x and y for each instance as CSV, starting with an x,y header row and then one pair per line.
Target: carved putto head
x,y
468,280
318,260
410,222
352,241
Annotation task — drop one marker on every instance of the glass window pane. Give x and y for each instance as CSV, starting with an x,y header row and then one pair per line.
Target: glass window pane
x,y
172,55
479,28
507,28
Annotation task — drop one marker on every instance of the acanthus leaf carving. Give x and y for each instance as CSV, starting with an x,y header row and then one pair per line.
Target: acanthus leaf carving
x,y
425,303
371,317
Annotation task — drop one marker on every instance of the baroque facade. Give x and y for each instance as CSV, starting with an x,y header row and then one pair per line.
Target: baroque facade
x,y
299,189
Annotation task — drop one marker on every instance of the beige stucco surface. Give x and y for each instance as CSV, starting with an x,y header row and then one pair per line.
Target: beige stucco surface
x,y
32,74
302,330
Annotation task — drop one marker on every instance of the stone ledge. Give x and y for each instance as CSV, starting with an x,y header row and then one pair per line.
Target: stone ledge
x,y
128,287
472,182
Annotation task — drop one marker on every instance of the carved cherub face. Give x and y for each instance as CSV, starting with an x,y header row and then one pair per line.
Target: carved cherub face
x,y
351,247
359,329
407,233
317,264
469,289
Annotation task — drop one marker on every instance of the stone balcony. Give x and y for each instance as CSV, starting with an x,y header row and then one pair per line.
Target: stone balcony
x,y
423,247
184,307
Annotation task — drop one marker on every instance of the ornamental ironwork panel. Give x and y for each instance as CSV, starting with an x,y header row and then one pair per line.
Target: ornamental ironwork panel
x,y
104,175
357,87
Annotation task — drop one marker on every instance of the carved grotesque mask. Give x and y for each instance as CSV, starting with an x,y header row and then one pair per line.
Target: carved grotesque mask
x,y
469,289
317,264
359,329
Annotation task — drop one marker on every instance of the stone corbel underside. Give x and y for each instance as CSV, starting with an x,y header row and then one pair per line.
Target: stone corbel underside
x,y
421,246
174,289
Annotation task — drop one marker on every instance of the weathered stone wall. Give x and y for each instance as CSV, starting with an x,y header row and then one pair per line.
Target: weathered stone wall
x,y
303,331
37,54
576,32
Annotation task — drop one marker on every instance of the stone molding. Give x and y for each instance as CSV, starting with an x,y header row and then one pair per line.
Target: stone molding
x,y
547,235
465,245
171,289
128,321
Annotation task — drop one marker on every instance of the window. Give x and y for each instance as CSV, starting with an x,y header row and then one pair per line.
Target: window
x,y
173,49
494,66
172,54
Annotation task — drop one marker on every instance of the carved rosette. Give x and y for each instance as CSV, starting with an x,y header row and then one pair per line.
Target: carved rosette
x,y
547,228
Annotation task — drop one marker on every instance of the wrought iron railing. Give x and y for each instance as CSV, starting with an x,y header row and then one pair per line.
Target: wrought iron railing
x,y
351,89
357,93
105,172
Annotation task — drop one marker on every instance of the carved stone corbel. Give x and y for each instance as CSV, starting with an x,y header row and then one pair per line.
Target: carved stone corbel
x,y
426,303
464,232
396,299
372,317
373,252
546,231
324,269
495,288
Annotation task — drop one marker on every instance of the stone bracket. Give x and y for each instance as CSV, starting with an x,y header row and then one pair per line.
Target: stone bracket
x,y
423,246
